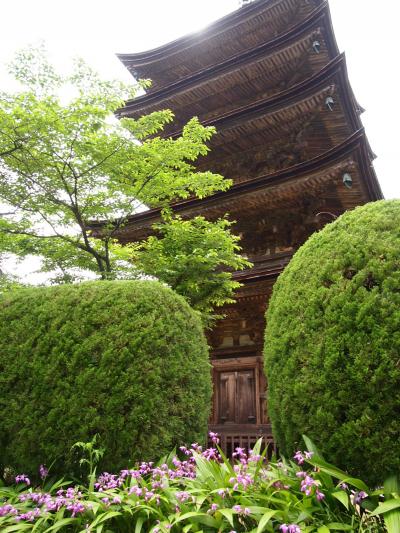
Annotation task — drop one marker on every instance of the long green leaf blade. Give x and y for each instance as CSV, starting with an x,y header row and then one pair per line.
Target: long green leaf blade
x,y
264,520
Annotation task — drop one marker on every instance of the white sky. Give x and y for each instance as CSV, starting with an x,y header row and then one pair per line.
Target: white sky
x,y
367,30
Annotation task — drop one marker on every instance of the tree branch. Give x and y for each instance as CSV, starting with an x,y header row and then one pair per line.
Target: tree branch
x,y
11,150
27,233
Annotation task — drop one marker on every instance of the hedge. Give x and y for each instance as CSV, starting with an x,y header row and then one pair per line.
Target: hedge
x,y
332,343
127,360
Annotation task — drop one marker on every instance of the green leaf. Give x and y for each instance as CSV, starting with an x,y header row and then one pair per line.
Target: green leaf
x,y
343,497
257,447
264,520
257,510
386,506
39,524
61,523
21,526
139,524
338,474
306,514
198,517
323,529
392,485
311,447
392,517
106,516
392,521
325,477
337,526
228,514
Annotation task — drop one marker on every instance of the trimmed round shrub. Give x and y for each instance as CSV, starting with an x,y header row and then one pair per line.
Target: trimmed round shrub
x,y
332,343
127,360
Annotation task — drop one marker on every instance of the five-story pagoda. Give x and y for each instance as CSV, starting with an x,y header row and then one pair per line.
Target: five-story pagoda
x,y
270,78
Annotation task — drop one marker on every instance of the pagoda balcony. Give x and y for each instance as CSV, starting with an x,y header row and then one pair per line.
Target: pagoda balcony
x,y
243,436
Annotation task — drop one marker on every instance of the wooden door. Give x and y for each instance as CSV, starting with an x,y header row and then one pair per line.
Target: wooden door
x,y
237,399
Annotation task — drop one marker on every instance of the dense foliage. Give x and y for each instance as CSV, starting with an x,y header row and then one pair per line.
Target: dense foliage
x,y
332,343
202,491
125,359
71,175
8,282
192,257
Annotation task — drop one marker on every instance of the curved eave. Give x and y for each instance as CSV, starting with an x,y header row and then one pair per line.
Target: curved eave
x,y
356,145
213,29
320,18
267,272
334,73
218,36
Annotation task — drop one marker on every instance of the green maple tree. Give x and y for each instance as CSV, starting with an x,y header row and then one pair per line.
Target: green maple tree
x,y
66,162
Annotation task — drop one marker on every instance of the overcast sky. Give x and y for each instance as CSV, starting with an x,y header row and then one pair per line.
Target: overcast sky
x,y
367,30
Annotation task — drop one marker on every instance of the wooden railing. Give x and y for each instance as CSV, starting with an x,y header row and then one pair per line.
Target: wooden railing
x,y
232,437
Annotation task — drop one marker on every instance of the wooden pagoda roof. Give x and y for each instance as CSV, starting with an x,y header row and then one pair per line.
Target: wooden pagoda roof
x,y
243,29
263,193
263,131
332,76
256,74
284,130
